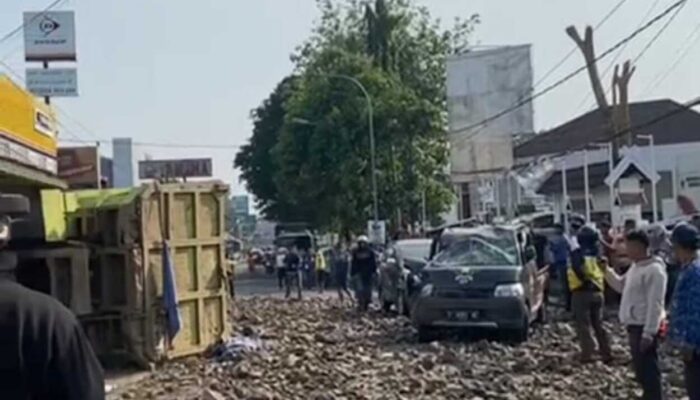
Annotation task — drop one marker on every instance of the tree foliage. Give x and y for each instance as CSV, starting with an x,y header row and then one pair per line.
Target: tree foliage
x,y
309,155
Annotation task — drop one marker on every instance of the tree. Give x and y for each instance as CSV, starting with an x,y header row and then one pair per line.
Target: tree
x,y
322,170
255,160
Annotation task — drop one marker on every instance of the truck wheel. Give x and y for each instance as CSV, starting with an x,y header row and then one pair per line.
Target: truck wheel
x,y
426,334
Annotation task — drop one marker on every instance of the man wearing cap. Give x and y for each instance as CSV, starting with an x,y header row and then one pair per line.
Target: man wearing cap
x,y
363,268
44,353
684,330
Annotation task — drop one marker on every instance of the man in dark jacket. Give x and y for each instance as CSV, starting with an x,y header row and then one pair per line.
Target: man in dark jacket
x,y
45,353
292,262
363,269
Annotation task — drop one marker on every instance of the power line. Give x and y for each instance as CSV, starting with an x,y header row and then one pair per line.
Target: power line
x,y
570,75
660,32
661,77
682,108
163,144
573,49
19,29
614,60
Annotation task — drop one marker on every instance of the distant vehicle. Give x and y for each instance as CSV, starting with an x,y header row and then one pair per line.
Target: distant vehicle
x,y
486,278
303,240
402,262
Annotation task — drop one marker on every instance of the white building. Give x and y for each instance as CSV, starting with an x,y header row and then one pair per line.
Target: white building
x,y
676,134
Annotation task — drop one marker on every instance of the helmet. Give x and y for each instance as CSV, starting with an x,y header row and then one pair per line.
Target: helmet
x,y
686,236
587,237
362,239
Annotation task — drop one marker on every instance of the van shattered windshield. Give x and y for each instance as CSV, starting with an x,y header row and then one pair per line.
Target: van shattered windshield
x,y
481,247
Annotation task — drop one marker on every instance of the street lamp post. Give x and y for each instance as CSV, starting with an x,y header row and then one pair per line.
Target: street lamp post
x,y
654,205
370,114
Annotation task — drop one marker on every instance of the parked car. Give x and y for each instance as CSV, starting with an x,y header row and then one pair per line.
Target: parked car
x,y
487,278
403,260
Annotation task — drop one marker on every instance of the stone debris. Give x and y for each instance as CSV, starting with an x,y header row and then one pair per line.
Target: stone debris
x,y
316,349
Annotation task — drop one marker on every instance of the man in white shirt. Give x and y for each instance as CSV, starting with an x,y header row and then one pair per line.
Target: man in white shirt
x,y
642,309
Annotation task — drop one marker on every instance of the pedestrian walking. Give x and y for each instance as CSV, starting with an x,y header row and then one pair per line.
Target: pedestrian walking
x,y
684,329
293,274
341,263
586,280
642,310
280,266
363,270
321,271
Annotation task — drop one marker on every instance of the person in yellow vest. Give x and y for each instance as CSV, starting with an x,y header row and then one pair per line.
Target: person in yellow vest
x,y
321,271
586,278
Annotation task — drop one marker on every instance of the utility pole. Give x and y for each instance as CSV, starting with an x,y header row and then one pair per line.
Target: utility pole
x,y
619,82
622,120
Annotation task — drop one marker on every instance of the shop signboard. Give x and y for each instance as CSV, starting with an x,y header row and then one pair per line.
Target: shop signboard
x,y
49,36
171,169
54,82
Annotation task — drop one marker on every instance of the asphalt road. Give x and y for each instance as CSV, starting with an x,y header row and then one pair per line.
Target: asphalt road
x,y
258,283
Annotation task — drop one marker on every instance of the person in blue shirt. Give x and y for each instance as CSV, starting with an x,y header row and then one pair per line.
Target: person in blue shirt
x,y
684,329
560,250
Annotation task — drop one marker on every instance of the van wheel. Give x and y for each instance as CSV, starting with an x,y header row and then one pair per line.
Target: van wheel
x,y
426,334
520,335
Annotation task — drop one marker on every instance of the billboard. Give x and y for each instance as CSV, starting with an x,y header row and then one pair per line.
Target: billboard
x,y
49,36
54,82
481,84
183,168
27,128
241,205
79,167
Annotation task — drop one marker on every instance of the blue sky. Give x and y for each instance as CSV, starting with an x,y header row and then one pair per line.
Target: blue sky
x,y
190,72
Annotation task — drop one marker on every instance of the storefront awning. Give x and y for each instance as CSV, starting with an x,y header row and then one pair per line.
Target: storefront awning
x,y
13,173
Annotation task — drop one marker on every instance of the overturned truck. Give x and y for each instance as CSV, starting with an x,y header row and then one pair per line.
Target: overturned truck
x,y
125,231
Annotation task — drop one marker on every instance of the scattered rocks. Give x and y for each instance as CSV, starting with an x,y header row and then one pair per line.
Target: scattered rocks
x,y
316,349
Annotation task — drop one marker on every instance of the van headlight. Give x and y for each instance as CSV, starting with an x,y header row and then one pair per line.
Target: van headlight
x,y
427,290
510,290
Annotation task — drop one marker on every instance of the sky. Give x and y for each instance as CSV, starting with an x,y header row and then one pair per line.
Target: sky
x,y
181,72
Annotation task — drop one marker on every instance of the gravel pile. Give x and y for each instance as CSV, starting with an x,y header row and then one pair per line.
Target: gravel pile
x,y
318,350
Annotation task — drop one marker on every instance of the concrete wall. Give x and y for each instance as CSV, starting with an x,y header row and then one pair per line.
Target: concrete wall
x,y
480,84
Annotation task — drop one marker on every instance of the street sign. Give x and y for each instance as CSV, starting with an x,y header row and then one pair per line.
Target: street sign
x,y
241,205
49,36
184,168
376,231
55,82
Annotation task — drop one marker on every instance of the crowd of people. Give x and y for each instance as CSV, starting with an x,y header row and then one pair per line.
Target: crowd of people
x,y
658,278
299,269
